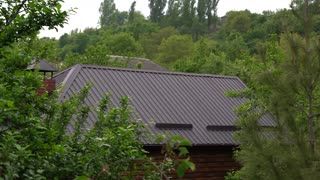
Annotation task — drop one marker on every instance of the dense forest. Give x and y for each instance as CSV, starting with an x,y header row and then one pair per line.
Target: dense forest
x,y
277,55
180,35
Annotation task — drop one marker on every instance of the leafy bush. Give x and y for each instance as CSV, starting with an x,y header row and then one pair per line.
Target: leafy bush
x,y
35,141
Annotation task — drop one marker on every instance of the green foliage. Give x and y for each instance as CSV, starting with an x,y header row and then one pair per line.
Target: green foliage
x,y
122,44
151,42
95,55
175,156
132,12
156,10
35,144
110,17
35,141
238,21
288,89
175,47
19,19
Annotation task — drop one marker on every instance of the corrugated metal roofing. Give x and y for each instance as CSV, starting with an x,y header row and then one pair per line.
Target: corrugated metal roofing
x,y
164,98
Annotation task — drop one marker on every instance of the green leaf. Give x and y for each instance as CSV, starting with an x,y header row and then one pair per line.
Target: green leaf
x,y
183,151
190,165
184,166
82,178
185,142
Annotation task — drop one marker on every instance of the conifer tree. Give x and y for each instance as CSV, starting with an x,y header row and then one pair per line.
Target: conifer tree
x,y
289,92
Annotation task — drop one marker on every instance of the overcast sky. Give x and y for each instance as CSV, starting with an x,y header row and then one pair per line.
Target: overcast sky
x,y
87,11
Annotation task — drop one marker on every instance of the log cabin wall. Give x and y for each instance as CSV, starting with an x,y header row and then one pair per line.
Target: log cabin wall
x,y
48,86
211,162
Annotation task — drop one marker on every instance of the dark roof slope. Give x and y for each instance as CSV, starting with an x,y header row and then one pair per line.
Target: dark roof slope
x,y
42,66
191,105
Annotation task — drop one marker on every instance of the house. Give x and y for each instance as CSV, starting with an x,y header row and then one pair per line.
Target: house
x,y
191,105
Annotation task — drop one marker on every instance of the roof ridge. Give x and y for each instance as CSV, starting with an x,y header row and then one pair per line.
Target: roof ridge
x,y
68,80
158,72
63,71
132,58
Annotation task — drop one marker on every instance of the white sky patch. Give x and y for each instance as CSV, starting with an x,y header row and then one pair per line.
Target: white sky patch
x,y
87,11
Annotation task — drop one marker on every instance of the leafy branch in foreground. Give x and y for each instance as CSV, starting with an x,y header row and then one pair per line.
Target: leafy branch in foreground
x,y
24,18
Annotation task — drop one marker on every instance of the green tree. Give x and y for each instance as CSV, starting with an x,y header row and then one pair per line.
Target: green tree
x,y
201,11
110,17
23,18
140,26
34,142
186,16
212,13
132,12
238,21
156,10
289,89
175,47
151,42
122,44
235,47
173,13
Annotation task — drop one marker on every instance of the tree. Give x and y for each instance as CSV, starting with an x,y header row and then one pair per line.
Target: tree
x,y
201,10
24,18
110,16
212,10
175,47
173,13
156,10
238,21
289,89
151,42
132,12
140,26
122,44
34,143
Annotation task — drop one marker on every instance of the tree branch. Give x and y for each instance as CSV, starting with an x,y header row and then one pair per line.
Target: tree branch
x,y
14,14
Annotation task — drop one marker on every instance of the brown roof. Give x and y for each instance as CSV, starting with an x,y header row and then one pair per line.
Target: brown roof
x,y
191,105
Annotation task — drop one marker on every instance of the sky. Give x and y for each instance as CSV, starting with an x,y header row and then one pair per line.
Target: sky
x,y
87,11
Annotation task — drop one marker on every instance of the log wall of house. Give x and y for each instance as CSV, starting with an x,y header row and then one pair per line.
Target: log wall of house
x,y
211,162
48,86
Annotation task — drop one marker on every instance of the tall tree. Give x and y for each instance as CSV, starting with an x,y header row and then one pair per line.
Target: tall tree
x,y
186,17
310,64
289,89
157,10
212,13
201,10
132,12
173,13
108,13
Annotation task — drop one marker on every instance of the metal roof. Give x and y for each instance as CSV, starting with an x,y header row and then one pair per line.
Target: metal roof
x,y
42,66
180,103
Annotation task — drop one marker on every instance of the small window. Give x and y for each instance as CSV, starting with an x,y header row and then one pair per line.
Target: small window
x,y
173,126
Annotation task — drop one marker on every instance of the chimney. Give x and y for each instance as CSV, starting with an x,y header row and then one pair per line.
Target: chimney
x,y
48,84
